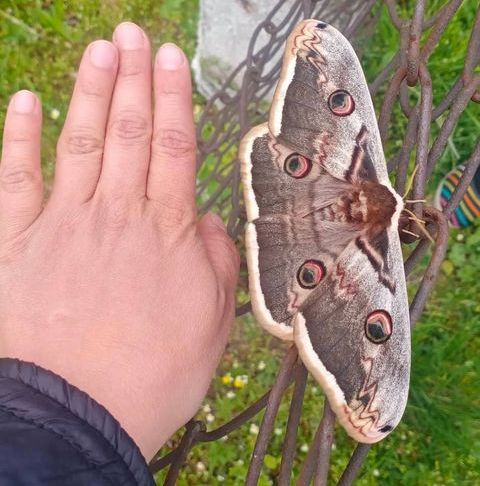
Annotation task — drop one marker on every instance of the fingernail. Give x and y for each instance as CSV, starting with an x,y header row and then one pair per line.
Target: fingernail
x,y
102,54
24,102
217,221
129,36
170,57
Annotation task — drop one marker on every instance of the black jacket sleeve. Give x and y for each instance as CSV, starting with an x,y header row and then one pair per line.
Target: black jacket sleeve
x,y
53,434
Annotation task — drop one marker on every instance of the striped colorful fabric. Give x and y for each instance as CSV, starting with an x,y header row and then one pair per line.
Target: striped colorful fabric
x,y
469,208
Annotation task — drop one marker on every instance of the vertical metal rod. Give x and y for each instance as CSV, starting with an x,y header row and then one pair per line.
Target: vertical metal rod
x,y
431,273
327,429
318,454
408,144
354,465
413,53
186,443
290,442
424,122
282,382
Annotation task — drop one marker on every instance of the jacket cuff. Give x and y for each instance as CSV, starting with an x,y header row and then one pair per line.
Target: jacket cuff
x,y
38,405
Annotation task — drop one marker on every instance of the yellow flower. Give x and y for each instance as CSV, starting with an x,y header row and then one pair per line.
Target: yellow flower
x,y
240,381
227,379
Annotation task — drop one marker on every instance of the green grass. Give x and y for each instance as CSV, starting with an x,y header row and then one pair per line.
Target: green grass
x,y
438,442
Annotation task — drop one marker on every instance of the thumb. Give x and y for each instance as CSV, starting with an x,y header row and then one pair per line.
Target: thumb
x,y
221,249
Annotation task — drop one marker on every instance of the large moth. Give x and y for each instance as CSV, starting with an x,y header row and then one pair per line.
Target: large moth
x,y
323,250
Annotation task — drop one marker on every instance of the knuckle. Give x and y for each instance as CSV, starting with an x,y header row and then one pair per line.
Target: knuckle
x,y
170,89
174,213
81,141
173,143
130,127
113,214
18,140
19,179
91,88
65,225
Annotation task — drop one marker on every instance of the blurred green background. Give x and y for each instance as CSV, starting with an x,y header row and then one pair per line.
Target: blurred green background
x,y
438,442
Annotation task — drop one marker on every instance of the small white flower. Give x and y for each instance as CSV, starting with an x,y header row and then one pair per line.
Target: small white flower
x,y
54,114
261,366
278,431
200,466
210,417
304,448
235,365
240,462
224,438
460,237
314,390
220,478
254,429
230,394
207,408
334,446
376,473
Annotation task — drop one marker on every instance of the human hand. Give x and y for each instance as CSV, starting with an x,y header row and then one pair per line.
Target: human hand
x,y
114,284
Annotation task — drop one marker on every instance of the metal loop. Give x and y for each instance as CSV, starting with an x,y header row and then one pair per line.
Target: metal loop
x,y
413,51
270,28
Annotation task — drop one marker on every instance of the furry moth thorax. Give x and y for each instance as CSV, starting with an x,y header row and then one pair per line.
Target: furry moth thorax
x,y
369,204
323,251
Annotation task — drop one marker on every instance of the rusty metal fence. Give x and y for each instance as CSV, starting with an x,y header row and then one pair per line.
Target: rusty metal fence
x,y
231,112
